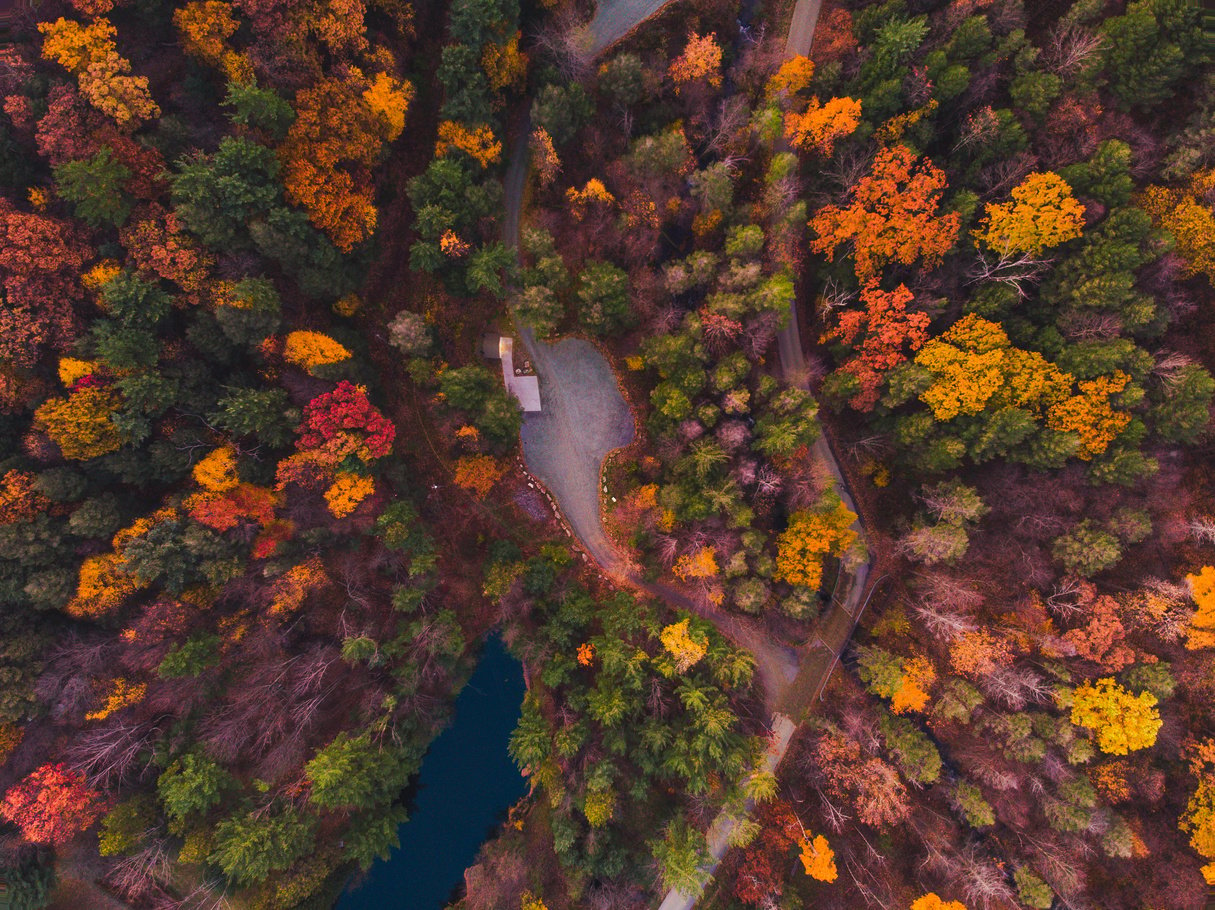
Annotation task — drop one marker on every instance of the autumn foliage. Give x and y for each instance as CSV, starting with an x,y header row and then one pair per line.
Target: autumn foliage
x,y
52,805
82,424
809,538
344,423
931,901
478,474
1187,213
892,216
684,645
1121,721
701,59
878,335
1201,632
818,859
821,125
1043,213
89,53
310,350
337,137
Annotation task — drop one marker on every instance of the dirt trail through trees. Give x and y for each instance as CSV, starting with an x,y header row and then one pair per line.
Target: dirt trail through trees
x,y
792,681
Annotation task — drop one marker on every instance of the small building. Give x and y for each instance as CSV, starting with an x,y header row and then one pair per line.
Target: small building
x,y
521,381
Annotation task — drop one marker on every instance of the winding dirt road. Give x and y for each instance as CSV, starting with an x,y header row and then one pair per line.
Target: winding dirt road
x,y
792,681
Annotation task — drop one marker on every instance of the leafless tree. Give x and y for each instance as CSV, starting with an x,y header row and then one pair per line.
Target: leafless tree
x,y
942,623
112,751
1072,48
1016,270
1202,528
1084,325
1015,686
567,41
144,873
983,883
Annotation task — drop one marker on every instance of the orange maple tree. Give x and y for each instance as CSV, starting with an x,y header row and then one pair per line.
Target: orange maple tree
x,y
820,126
479,142
330,148
478,474
892,216
701,59
1201,632
20,500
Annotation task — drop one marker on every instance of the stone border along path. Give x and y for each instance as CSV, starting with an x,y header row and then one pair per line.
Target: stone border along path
x,y
793,683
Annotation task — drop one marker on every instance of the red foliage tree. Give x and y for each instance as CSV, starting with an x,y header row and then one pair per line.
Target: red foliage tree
x,y
878,335
765,863
40,259
344,422
52,805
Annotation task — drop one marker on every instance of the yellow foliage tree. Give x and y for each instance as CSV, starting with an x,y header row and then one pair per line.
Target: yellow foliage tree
x,y
72,370
313,349
793,76
1187,214
931,901
216,471
103,586
529,901
478,473
821,125
918,677
682,645
701,564
89,53
346,492
82,424
1201,633
1043,213
598,806
294,585
544,156
809,538
594,191
701,59
10,738
504,64
205,27
818,859
388,99
1198,819
1123,722
478,143
122,694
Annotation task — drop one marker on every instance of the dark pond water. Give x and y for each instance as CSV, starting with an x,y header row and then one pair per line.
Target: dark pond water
x,y
466,785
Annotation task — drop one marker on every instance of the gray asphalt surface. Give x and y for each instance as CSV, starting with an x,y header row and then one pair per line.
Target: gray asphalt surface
x,y
584,418
614,19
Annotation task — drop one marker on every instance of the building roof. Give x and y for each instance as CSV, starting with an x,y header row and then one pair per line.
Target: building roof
x,y
525,388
